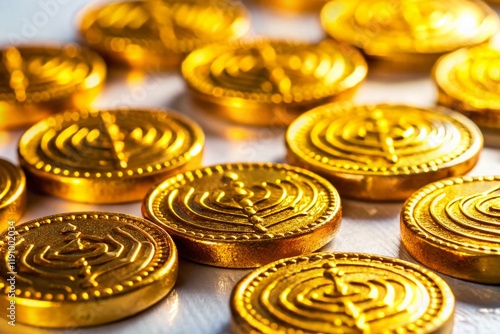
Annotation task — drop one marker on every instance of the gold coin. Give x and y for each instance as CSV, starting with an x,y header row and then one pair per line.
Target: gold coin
x,y
109,156
452,225
245,215
12,194
295,5
409,34
383,152
342,293
469,81
84,269
270,82
37,80
157,34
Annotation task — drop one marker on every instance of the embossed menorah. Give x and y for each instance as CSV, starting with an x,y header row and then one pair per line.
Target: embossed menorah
x,y
357,304
258,206
81,259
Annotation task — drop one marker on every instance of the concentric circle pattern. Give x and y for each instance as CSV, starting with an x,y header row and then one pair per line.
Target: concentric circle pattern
x,y
162,26
68,264
452,226
294,5
12,183
458,214
342,293
243,202
110,144
392,27
35,74
469,80
245,215
383,139
274,71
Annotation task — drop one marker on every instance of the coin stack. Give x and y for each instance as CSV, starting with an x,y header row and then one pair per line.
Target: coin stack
x,y
86,268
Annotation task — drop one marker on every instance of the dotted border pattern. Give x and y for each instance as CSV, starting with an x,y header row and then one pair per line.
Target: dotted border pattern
x,y
90,58
155,198
159,260
447,65
368,43
14,173
243,291
204,86
411,223
154,44
303,123
74,116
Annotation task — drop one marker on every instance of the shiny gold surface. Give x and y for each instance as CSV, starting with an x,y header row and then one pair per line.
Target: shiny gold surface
x,y
469,81
451,226
383,152
270,82
36,81
342,293
84,269
12,193
109,156
409,34
157,34
294,5
245,215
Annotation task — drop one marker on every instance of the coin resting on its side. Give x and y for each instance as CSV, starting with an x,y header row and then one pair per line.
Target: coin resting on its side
x,y
111,156
85,268
245,215
452,226
409,35
156,35
270,82
12,194
383,152
469,81
342,293
36,81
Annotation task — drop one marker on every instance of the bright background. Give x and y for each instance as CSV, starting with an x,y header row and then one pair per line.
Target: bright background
x,y
199,301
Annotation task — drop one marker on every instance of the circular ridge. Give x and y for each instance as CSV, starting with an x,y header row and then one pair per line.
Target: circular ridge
x,y
469,79
160,203
335,292
382,139
274,71
162,27
12,183
466,223
396,27
34,74
66,261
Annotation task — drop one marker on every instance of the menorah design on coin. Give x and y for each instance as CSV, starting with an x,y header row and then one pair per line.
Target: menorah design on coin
x,y
383,138
452,226
275,71
253,207
31,74
79,259
339,293
473,218
410,26
243,201
111,143
177,26
85,255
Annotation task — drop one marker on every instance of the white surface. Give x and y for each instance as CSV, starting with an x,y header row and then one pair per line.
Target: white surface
x,y
199,301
